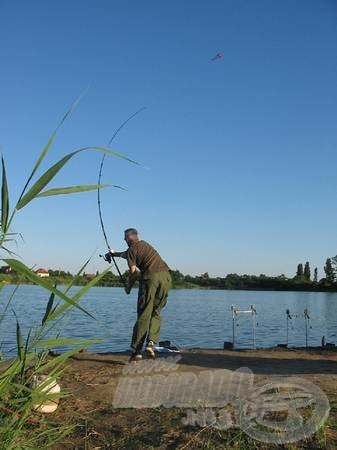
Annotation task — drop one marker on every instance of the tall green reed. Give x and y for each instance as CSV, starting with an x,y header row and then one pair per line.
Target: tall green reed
x,y
21,426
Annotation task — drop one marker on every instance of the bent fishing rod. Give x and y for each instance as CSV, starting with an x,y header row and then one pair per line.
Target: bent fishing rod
x,y
111,257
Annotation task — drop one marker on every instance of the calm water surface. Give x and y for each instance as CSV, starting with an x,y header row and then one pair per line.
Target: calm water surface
x,y
192,318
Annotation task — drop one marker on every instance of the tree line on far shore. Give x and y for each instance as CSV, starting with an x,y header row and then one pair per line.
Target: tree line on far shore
x,y
303,280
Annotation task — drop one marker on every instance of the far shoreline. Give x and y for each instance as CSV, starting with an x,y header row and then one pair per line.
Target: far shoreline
x,y
314,289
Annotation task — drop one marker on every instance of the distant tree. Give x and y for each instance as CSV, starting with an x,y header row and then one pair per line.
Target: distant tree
x,y
330,274
232,281
299,272
315,275
307,272
203,280
110,279
334,264
177,277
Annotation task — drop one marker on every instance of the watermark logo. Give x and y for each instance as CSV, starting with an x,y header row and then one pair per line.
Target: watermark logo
x,y
279,410
304,407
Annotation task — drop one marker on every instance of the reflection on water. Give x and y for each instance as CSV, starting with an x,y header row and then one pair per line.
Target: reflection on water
x,y
192,318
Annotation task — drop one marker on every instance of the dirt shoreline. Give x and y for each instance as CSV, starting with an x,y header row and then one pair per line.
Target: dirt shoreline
x,y
91,381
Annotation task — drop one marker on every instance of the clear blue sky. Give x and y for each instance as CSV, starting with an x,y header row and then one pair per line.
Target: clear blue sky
x,y
242,152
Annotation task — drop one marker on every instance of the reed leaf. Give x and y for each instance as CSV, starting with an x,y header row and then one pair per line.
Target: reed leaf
x,y
108,151
25,354
89,285
30,275
45,179
56,363
19,340
4,199
61,309
47,343
49,307
75,189
9,301
75,278
8,251
48,145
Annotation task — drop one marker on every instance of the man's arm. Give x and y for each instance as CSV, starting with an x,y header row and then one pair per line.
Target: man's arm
x,y
132,275
108,256
119,254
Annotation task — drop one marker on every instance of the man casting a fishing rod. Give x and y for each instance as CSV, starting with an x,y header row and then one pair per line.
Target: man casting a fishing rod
x,y
154,284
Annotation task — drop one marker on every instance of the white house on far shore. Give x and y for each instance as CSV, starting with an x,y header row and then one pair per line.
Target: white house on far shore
x,y
43,273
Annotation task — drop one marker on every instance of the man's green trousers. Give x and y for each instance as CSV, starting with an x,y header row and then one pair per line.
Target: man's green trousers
x,y
152,297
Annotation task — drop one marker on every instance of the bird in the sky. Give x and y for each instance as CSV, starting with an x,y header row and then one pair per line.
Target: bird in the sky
x,y
217,57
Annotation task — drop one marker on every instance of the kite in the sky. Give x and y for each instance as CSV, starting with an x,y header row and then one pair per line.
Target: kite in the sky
x,y
217,57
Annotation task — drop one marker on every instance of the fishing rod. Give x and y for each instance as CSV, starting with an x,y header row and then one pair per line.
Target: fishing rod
x,y
111,257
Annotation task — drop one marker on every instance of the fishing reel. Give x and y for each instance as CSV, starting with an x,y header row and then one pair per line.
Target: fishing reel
x,y
107,257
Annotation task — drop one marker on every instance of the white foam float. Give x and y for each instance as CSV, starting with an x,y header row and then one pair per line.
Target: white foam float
x,y
50,388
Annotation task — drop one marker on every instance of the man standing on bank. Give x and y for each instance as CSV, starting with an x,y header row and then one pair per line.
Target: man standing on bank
x,y
154,284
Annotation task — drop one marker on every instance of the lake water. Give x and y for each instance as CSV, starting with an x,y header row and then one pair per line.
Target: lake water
x,y
192,318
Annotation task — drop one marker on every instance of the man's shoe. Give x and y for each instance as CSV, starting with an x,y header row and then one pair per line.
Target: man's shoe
x,y
150,349
136,356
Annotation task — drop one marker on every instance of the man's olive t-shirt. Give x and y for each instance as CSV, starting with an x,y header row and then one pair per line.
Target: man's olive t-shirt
x,y
146,258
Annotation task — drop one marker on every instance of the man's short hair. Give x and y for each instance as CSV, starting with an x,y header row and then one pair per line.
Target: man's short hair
x,y
131,231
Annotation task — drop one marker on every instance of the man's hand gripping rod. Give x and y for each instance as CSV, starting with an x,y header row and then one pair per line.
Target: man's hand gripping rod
x,y
108,257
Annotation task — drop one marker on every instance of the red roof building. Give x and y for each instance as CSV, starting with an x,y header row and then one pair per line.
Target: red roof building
x,y
43,273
